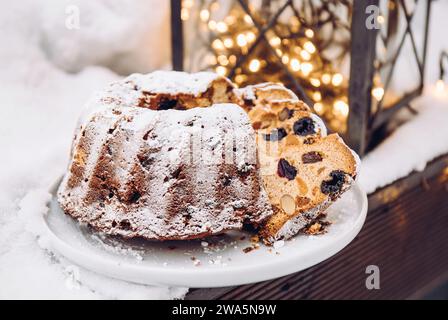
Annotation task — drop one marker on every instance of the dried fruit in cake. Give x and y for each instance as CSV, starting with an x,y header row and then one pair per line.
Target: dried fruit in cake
x,y
286,170
335,184
301,126
304,126
312,157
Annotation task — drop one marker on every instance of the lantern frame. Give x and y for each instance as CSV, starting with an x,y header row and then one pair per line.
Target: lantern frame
x,y
363,122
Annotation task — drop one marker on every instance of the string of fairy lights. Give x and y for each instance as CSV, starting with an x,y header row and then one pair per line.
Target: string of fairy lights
x,y
297,43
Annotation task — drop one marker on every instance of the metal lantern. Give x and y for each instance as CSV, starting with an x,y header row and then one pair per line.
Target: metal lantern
x,y
344,58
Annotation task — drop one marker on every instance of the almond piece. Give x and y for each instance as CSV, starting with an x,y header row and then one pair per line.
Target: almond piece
x,y
288,204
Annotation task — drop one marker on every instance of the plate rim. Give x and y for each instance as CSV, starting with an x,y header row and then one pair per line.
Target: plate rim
x,y
200,278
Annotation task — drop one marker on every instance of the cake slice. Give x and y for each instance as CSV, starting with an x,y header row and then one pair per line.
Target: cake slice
x,y
303,170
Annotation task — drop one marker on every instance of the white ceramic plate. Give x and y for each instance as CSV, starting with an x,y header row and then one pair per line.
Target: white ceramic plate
x,y
223,262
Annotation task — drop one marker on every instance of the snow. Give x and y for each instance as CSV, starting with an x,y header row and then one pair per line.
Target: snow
x,y
40,105
47,73
412,145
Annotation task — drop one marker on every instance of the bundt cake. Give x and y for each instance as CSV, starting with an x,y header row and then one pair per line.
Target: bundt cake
x,y
138,170
303,169
172,155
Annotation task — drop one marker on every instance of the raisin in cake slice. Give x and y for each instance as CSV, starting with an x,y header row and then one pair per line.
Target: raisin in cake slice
x,y
303,169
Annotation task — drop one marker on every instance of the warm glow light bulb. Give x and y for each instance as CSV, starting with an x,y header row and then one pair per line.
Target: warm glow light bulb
x,y
254,65
295,64
326,78
228,42
318,107
306,68
221,27
309,33
187,3
309,46
337,79
250,36
204,14
378,93
275,41
221,70
184,14
212,25
341,108
247,18
285,59
239,78
222,59
217,44
317,96
241,40
305,55
315,82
